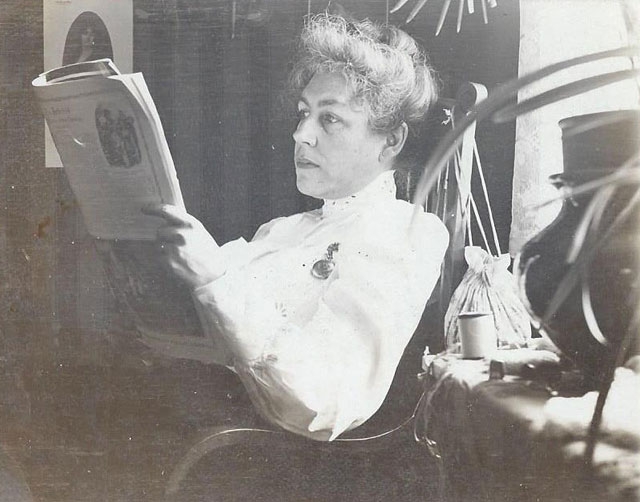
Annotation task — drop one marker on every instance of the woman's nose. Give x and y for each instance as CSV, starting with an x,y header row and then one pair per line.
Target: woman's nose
x,y
305,133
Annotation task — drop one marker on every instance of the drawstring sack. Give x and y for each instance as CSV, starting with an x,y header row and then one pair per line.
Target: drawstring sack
x,y
488,286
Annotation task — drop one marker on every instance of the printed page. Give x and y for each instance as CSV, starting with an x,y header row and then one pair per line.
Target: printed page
x,y
113,151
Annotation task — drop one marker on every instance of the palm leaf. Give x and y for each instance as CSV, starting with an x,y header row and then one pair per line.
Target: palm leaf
x,y
415,10
398,6
623,176
590,219
498,99
577,270
562,92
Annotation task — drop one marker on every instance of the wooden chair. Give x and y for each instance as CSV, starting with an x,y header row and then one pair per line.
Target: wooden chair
x,y
392,424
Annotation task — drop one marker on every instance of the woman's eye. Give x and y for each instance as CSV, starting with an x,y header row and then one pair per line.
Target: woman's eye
x,y
329,118
302,114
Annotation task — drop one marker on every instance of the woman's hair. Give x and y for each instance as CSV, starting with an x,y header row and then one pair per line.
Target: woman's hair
x,y
382,64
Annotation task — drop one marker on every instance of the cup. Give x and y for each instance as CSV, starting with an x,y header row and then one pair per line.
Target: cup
x,y
477,334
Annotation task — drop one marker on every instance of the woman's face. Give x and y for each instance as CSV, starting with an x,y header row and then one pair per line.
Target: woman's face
x,y
87,37
336,153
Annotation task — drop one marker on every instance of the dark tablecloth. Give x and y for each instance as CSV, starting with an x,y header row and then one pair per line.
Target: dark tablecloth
x,y
510,440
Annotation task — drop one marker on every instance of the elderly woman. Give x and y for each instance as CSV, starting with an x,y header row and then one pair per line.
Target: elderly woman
x,y
315,312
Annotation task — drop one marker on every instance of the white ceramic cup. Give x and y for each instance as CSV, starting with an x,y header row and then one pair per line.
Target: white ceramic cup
x,y
477,334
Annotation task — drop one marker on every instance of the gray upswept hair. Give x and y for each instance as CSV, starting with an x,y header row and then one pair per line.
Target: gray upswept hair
x,y
382,64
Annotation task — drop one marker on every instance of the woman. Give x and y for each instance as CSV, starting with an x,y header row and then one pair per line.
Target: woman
x,y
316,310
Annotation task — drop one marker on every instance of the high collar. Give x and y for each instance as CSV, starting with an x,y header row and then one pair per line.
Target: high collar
x,y
382,187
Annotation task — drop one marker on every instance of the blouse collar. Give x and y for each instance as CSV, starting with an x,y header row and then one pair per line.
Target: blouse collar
x,y
382,187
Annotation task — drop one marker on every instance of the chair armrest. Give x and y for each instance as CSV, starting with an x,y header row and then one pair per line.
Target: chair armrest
x,y
216,438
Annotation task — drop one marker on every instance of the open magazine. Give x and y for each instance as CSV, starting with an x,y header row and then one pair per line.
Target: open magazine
x,y
112,145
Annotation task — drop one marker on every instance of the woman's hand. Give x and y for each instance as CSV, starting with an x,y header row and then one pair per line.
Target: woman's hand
x,y
189,250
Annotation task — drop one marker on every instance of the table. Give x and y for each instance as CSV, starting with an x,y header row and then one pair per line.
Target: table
x,y
499,439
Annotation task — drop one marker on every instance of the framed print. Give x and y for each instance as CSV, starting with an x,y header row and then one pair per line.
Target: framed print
x,y
84,30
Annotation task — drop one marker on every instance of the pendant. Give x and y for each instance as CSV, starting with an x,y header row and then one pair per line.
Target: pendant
x,y
322,269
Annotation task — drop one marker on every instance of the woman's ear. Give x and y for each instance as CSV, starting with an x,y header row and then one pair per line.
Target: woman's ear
x,y
394,142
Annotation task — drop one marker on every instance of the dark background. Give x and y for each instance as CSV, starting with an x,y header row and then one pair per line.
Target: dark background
x,y
229,130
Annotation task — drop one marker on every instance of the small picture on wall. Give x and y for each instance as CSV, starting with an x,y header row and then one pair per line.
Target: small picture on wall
x,y
87,39
84,30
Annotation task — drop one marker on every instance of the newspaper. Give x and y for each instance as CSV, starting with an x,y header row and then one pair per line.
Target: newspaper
x,y
108,133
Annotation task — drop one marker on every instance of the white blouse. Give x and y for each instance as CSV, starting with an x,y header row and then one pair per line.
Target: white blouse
x,y
317,355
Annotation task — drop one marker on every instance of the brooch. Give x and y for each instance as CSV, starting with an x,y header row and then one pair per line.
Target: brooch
x,y
322,268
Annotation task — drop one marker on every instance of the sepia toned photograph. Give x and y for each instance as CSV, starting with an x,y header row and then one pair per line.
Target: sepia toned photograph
x,y
318,250
87,39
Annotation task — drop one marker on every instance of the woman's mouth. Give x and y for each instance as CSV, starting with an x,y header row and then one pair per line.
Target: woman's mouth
x,y
304,163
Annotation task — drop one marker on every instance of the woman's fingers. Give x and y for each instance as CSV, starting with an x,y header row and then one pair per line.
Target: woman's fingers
x,y
170,235
171,214
185,244
153,210
176,216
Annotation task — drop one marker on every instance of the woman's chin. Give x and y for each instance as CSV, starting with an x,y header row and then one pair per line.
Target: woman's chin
x,y
307,185
305,189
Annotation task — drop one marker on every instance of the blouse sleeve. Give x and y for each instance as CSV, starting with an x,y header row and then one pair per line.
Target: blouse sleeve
x,y
333,372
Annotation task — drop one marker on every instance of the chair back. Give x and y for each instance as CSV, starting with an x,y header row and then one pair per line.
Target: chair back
x,y
448,199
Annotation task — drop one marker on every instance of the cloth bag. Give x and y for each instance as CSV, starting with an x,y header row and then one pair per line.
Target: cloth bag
x,y
488,286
